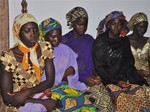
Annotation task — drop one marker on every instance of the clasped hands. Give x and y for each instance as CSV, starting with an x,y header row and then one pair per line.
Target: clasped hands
x,y
125,86
93,80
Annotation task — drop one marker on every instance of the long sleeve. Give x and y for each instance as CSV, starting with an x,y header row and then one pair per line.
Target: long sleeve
x,y
98,51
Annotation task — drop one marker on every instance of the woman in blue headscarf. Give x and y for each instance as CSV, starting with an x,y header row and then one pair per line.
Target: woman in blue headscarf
x,y
114,63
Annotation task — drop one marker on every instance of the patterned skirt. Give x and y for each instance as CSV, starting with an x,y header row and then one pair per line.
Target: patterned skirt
x,y
130,101
72,100
100,98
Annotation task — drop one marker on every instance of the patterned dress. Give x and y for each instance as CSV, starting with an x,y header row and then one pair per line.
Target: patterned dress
x,y
141,57
23,78
141,62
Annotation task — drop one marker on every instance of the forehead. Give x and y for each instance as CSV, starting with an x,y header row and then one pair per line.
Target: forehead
x,y
29,24
116,20
54,32
142,23
81,19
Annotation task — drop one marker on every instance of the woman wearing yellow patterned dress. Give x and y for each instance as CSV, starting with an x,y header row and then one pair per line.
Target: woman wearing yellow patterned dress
x,y
140,46
21,69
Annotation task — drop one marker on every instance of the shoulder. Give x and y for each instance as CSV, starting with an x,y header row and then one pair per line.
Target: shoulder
x,y
45,45
67,34
88,39
148,39
100,38
63,46
46,49
8,59
7,54
66,49
89,36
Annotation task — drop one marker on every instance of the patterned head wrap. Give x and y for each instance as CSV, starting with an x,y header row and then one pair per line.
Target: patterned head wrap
x,y
75,13
102,27
137,18
19,21
48,25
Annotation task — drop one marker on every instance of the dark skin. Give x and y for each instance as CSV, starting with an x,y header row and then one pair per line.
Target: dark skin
x,y
114,29
138,40
28,36
54,37
79,29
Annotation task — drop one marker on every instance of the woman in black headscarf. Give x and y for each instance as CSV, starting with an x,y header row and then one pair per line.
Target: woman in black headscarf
x,y
114,63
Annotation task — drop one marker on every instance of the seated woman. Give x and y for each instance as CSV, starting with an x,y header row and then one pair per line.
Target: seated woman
x,y
66,68
81,43
114,63
21,69
140,45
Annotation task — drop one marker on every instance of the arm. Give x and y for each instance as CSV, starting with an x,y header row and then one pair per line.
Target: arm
x,y
69,71
19,98
128,56
50,78
6,84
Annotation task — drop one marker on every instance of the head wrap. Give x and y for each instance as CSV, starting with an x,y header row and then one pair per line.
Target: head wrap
x,y
137,18
48,25
19,21
75,13
102,27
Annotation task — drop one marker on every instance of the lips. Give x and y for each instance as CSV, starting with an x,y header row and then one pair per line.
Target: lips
x,y
33,41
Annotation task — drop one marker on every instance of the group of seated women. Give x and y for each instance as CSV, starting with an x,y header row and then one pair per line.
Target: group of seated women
x,y
48,72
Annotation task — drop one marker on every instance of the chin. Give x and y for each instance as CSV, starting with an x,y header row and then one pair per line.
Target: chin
x,y
55,45
32,44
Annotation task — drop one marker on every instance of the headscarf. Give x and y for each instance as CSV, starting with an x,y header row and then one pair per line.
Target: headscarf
x,y
48,25
102,27
137,18
19,21
75,13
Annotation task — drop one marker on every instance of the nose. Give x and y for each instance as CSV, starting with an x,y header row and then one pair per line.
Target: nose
x,y
116,26
32,33
55,39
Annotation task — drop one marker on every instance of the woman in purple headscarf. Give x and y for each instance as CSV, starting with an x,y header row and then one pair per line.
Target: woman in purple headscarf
x,y
114,63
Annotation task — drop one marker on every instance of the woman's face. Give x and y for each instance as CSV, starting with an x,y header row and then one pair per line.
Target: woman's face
x,y
80,26
54,37
115,27
29,34
141,28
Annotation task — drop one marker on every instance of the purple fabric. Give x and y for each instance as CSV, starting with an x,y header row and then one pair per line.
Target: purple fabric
x,y
83,48
64,58
33,107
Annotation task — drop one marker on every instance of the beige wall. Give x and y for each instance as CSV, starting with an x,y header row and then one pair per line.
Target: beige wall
x,y
4,30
